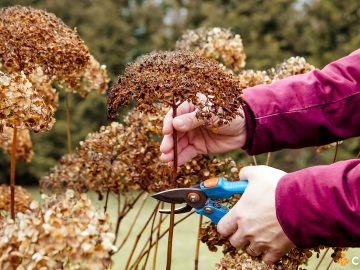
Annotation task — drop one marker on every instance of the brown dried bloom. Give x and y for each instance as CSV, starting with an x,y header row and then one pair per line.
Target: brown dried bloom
x,y
21,106
68,233
292,66
70,173
22,199
94,77
30,38
216,43
174,77
42,83
24,148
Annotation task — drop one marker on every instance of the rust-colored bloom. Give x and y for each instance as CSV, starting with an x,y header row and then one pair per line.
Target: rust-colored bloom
x,y
30,38
174,77
24,148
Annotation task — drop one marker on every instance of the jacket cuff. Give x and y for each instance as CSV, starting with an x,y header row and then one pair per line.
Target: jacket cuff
x,y
250,126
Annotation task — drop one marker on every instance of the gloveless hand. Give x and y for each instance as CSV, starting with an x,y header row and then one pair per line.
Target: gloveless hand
x,y
194,138
252,223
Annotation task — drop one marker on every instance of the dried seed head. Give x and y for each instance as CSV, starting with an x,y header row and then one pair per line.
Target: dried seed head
x,y
22,106
216,43
22,199
24,148
292,66
66,233
93,78
179,75
31,38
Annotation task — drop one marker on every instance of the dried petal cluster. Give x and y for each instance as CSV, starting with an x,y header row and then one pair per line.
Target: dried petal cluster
x,y
68,233
292,66
22,199
217,43
24,148
173,77
30,38
94,78
122,157
42,83
250,78
21,106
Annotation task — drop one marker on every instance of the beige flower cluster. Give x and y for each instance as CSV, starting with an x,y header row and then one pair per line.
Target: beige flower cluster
x,y
30,38
292,66
67,233
24,148
42,83
93,78
22,199
217,43
21,106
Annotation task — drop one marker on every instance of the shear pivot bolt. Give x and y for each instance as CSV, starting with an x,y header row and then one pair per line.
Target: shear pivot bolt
x,y
193,197
208,209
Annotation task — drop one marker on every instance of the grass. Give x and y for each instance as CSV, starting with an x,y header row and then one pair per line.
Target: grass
x,y
184,241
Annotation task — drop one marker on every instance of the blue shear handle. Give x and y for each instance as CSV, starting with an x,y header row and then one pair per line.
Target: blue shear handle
x,y
213,211
224,189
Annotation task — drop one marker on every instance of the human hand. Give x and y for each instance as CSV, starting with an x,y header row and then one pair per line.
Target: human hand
x,y
252,222
194,138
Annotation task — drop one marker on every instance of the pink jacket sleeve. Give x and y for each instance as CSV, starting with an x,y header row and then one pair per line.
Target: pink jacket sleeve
x,y
317,205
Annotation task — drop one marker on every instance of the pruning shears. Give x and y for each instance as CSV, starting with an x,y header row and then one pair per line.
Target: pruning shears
x,y
203,197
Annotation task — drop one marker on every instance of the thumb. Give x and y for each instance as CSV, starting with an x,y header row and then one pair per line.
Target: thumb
x,y
187,122
228,224
248,173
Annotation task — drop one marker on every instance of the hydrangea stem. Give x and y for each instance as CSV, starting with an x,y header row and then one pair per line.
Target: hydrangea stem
x,y
68,131
197,251
157,239
12,174
172,214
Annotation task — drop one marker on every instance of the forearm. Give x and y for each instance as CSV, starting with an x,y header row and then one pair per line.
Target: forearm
x,y
315,108
321,205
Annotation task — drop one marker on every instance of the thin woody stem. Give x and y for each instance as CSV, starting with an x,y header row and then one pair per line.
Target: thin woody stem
x,y
336,151
68,130
133,222
172,214
197,251
139,236
321,259
165,232
157,239
268,158
150,240
329,265
254,160
127,207
106,200
12,174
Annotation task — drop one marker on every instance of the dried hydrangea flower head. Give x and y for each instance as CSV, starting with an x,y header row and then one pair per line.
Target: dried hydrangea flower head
x,y
217,43
24,148
174,77
250,78
68,233
93,78
70,173
42,83
22,199
292,66
31,38
21,106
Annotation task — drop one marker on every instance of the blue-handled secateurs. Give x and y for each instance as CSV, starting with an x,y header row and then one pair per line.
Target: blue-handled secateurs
x,y
200,197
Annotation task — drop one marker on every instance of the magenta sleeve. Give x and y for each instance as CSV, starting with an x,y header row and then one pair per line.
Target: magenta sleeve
x,y
321,205
315,108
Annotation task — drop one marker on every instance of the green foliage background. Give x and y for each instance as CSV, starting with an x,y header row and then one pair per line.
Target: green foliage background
x,y
118,31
